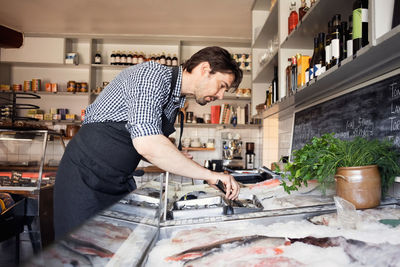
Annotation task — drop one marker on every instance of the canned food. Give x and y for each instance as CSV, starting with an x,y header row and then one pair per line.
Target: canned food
x,y
84,87
17,87
36,84
48,87
54,87
71,86
27,86
78,87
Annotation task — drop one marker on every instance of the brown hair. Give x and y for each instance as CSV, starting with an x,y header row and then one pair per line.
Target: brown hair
x,y
220,60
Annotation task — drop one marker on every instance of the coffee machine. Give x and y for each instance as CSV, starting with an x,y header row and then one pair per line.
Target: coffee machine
x,y
232,151
250,156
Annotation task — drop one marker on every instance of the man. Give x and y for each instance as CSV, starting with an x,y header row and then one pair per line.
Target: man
x,y
131,119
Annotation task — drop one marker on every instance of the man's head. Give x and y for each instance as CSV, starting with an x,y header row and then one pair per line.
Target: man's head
x,y
214,71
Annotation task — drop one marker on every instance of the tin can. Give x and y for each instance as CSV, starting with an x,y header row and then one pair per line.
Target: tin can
x,y
17,87
78,87
27,86
54,87
84,87
48,87
36,84
82,114
71,86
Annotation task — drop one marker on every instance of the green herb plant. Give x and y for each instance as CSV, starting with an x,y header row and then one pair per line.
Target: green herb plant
x,y
320,158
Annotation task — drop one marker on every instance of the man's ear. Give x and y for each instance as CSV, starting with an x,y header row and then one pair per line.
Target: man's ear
x,y
205,68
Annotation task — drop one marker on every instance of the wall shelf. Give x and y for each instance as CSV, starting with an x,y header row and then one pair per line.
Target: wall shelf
x,y
45,65
198,149
268,30
222,126
315,21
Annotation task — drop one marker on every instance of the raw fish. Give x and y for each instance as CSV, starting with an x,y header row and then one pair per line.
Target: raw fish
x,y
259,245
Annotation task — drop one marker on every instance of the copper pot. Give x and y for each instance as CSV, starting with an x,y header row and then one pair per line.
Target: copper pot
x,y
72,130
359,185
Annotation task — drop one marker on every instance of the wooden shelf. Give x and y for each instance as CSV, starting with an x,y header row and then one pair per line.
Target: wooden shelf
x,y
62,93
223,126
45,65
198,149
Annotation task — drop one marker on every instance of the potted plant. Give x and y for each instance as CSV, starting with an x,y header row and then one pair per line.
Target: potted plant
x,y
327,159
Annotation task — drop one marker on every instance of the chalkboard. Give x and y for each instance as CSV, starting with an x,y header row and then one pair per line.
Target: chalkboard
x,y
371,112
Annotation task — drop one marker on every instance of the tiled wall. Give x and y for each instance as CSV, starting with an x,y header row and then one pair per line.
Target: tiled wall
x,y
247,135
22,151
285,135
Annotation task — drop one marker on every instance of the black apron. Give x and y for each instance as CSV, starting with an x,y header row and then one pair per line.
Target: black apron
x,y
97,170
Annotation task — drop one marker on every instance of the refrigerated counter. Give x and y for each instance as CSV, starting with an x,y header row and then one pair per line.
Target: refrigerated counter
x,y
133,232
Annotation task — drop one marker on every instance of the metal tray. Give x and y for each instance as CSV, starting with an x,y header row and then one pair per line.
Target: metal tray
x,y
253,204
197,208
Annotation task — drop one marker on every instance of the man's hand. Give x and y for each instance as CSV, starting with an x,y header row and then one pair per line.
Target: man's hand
x,y
232,187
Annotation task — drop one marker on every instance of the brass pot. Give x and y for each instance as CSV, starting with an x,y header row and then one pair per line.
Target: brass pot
x,y
359,185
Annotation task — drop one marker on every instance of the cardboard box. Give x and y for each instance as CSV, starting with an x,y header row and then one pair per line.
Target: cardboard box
x,y
302,64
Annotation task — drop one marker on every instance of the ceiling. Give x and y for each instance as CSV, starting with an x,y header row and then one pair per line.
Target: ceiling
x,y
211,18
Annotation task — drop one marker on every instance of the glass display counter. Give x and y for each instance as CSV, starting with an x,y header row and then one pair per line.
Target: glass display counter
x,y
26,169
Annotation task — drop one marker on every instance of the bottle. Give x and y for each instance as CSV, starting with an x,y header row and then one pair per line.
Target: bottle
x,y
328,49
319,61
335,43
314,56
303,9
293,74
97,58
274,84
174,60
288,74
129,58
307,72
118,58
135,58
162,59
123,58
158,58
169,60
293,17
140,58
153,58
360,24
349,37
343,40
112,58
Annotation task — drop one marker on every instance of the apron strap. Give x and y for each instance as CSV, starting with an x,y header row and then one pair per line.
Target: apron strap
x,y
175,73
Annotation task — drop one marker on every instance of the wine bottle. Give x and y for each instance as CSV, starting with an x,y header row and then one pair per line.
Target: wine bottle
x,y
319,62
294,74
335,43
360,24
293,17
314,56
289,78
303,9
349,37
343,40
274,83
328,46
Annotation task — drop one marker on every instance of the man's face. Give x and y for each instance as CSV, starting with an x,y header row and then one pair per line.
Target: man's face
x,y
212,86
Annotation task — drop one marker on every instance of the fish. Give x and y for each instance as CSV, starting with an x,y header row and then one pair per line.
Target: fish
x,y
266,184
202,251
87,248
383,254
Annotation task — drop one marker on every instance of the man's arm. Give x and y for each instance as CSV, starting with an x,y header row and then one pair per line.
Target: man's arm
x,y
161,152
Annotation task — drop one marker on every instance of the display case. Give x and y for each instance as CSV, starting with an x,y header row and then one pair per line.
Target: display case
x,y
27,169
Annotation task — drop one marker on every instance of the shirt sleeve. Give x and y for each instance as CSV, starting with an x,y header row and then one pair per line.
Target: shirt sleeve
x,y
144,96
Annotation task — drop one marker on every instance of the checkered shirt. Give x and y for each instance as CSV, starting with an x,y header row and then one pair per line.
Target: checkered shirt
x,y
139,96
